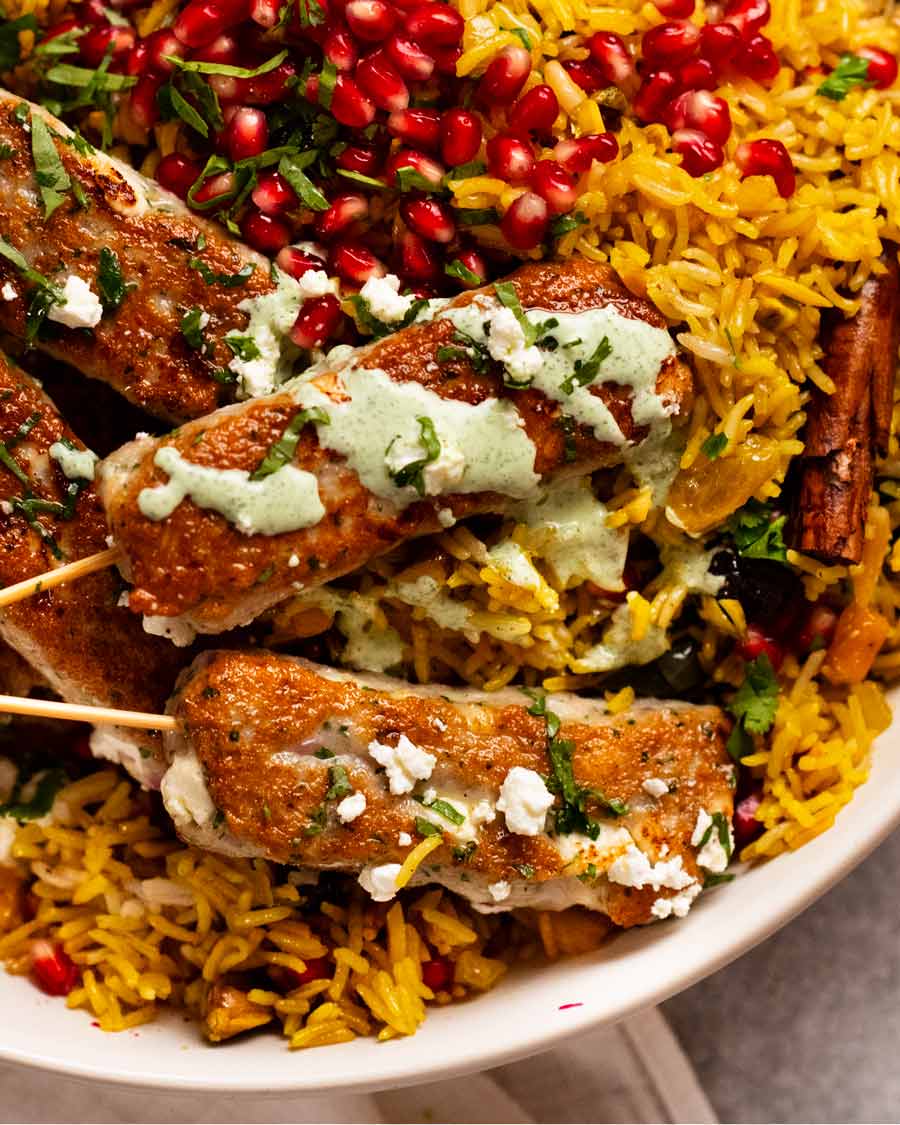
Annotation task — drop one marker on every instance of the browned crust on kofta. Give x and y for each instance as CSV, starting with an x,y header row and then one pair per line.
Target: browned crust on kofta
x,y
196,561
245,715
138,349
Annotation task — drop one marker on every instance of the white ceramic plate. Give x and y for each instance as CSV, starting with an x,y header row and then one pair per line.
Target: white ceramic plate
x,y
531,1010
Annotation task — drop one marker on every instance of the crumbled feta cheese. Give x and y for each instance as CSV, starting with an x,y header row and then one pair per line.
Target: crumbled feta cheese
x,y
446,517
524,801
483,812
8,292
380,882
123,599
178,632
634,869
351,807
294,560
382,294
655,786
506,343
500,891
316,283
405,763
678,904
443,474
404,839
6,508
712,856
82,308
184,791
257,375
429,796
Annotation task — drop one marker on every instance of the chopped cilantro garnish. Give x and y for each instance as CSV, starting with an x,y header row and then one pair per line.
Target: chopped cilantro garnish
x,y
244,347
310,12
327,82
562,224
197,66
457,269
227,280
448,811
192,328
411,474
340,784
850,71
317,820
408,178
360,178
110,283
291,167
719,825
714,445
89,81
281,451
586,370
462,853
52,178
426,828
185,110
464,171
41,802
757,533
756,700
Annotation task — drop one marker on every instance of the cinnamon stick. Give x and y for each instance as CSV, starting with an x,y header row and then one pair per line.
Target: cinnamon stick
x,y
845,429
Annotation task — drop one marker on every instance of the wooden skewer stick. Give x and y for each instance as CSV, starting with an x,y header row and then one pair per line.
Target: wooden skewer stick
x,y
78,569
81,713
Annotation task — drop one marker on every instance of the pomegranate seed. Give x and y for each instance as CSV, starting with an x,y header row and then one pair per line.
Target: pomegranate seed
x,y
611,55
234,11
223,49
437,974
818,628
339,47
746,826
247,133
578,155
420,127
657,90
554,184
699,109
265,233
344,209
719,43
177,174
748,15
53,969
535,111
265,13
445,59
418,260
698,153
273,194
505,76
757,643
94,44
675,9
272,87
428,169
509,158
59,29
219,188
475,264
297,262
316,969
359,158
354,262
428,217
882,66
460,136
434,25
370,20
757,59
142,101
409,58
137,58
200,22
697,74
317,321
349,105
93,12
160,45
525,222
670,44
586,74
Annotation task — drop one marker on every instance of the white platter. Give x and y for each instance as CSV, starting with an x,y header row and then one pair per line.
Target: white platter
x,y
532,1010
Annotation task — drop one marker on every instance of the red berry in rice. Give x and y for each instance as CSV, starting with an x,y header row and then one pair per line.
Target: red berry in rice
x,y
576,155
349,105
200,22
177,173
142,104
297,262
669,44
437,974
94,12
217,188
657,90
555,185
381,81
612,56
505,76
340,48
585,74
94,44
757,643
757,59
58,29
317,321
719,44
460,136
52,969
419,260
766,157
525,223
697,74
370,20
699,155
265,13
364,159
817,629
415,64
136,63
445,59
675,9
344,209
223,49
748,15
161,46
434,25
535,111
510,158
420,128
431,171
273,194
268,88
355,262
265,233
882,66
475,264
429,218
317,968
247,133
744,823
699,109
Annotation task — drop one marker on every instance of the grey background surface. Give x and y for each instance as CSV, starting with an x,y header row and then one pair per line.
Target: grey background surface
x,y
806,1027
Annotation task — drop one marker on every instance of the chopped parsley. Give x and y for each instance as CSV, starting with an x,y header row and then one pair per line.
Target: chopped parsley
x,y
339,784
367,322
408,178
850,71
192,328
197,66
586,370
185,110
112,287
426,828
412,473
714,445
757,533
244,347
458,270
227,280
291,168
562,224
52,178
281,451
90,82
327,83
447,811
754,706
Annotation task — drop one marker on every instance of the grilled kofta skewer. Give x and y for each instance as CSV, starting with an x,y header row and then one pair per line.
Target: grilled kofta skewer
x,y
544,802
557,372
